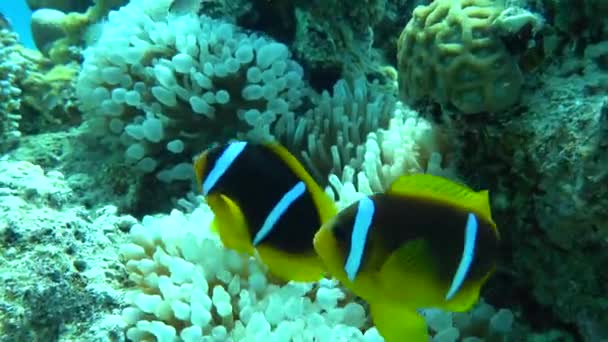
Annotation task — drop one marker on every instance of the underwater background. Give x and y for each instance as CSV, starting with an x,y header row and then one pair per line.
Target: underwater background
x,y
103,105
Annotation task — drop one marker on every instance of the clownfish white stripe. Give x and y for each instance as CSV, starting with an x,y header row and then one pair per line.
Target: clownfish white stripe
x,y
358,238
275,214
470,235
222,164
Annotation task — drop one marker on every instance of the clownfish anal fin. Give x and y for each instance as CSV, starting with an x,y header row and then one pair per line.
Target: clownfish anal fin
x,y
396,323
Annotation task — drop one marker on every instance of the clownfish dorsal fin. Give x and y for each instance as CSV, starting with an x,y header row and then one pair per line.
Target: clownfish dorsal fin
x,y
439,189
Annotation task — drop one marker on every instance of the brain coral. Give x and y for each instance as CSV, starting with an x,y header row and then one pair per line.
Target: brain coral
x,y
448,52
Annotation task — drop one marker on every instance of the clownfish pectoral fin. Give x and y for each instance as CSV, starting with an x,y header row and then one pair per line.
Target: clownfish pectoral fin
x,y
397,324
230,224
303,268
408,275
429,187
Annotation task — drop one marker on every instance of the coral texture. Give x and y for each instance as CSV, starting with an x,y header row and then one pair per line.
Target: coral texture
x,y
189,285
159,85
448,53
10,72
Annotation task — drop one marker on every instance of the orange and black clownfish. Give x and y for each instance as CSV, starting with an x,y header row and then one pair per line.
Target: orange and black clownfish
x,y
264,201
426,242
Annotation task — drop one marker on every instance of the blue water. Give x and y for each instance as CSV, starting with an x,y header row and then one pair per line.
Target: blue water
x,y
19,15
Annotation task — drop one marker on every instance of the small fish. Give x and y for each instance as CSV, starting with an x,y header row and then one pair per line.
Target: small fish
x,y
265,202
426,242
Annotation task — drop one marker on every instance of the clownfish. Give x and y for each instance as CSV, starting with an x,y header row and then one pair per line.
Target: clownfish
x,y
265,204
426,242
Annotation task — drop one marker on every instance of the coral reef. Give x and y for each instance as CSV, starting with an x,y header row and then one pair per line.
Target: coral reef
x,y
331,134
408,145
163,80
548,166
59,28
580,21
449,52
62,5
360,138
175,283
36,95
11,70
69,254
331,39
482,323
49,98
159,86
189,286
